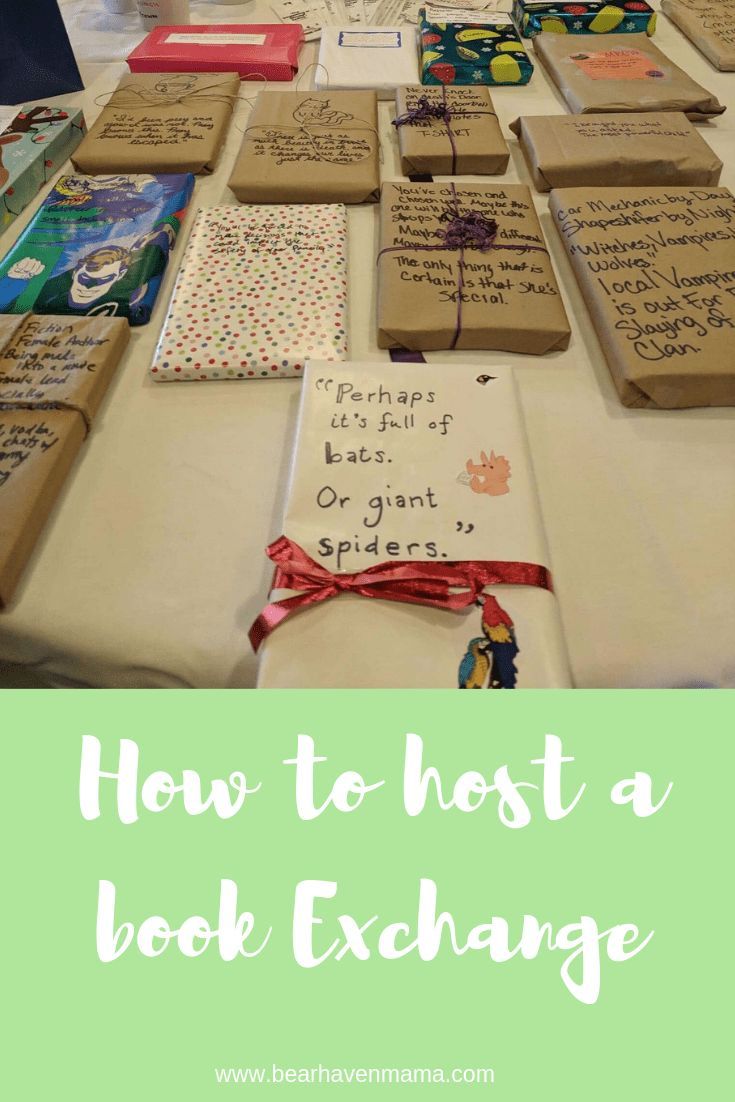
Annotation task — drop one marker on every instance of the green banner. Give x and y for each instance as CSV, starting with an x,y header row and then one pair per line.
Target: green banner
x,y
512,895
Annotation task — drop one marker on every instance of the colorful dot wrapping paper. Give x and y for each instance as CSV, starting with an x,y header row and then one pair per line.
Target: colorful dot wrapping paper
x,y
627,17
261,289
481,51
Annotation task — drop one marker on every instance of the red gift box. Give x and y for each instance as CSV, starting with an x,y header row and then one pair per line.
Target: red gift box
x,y
250,49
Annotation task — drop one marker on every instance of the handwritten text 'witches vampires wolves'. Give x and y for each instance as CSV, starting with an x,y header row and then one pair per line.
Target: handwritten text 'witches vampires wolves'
x,y
430,931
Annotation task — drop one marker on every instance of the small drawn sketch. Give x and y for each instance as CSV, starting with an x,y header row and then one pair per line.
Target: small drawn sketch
x,y
489,476
315,112
178,84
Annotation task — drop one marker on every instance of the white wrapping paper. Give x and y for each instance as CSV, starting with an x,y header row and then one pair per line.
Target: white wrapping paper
x,y
382,58
419,463
260,290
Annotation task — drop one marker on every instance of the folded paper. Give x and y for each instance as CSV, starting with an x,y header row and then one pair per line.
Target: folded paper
x,y
709,25
590,17
310,147
260,290
380,58
377,584
53,376
474,48
656,267
465,266
162,122
449,131
34,143
631,149
621,73
255,51
99,245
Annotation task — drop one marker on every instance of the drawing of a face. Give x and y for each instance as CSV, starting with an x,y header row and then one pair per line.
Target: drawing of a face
x,y
489,476
176,85
95,275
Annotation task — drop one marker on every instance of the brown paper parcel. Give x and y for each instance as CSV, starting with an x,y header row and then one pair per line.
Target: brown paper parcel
x,y
54,372
161,122
621,72
709,25
625,149
656,267
426,144
310,147
428,298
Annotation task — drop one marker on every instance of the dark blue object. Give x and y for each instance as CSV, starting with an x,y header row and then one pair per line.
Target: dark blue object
x,y
36,58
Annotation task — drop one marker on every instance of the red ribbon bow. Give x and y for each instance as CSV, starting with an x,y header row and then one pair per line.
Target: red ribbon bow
x,y
449,585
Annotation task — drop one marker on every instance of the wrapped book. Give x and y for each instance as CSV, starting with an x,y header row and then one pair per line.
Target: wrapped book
x,y
412,552
260,290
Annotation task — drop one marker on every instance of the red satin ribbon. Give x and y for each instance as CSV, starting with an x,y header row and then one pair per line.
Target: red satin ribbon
x,y
419,583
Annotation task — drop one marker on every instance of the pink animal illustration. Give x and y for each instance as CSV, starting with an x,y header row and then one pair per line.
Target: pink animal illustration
x,y
490,475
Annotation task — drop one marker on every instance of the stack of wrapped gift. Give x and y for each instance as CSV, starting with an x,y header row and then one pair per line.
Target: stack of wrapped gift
x,y
449,131
649,148
621,73
709,25
533,17
53,376
466,266
275,294
470,47
656,267
310,147
412,552
98,245
34,143
161,122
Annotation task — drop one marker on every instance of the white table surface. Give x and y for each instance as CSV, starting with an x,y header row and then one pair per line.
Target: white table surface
x,y
151,567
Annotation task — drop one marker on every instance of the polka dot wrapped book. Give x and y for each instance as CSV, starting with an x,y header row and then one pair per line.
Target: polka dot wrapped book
x,y
261,289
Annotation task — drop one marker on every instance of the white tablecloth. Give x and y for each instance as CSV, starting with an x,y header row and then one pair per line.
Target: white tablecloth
x,y
151,567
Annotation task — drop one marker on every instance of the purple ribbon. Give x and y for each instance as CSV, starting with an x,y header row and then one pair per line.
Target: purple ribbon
x,y
426,110
471,230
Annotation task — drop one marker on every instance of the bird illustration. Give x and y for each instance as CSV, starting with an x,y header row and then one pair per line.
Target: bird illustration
x,y
475,665
500,634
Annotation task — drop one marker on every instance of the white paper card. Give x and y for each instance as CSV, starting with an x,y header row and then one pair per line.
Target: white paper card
x,y
411,463
217,39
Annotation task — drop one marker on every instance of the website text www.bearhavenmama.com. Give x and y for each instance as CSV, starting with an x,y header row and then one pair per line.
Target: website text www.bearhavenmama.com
x,y
341,1076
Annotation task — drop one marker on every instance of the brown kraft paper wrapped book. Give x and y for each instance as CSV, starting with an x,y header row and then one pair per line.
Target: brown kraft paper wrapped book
x,y
310,147
161,122
656,267
54,372
621,72
466,266
709,25
651,148
467,139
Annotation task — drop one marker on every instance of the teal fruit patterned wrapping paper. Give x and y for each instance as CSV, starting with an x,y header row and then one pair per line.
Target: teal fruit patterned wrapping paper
x,y
472,53
594,17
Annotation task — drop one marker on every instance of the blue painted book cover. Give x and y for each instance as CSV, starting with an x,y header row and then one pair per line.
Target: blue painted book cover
x,y
99,245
